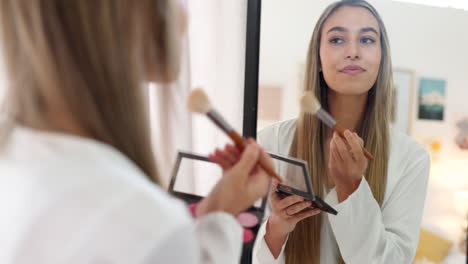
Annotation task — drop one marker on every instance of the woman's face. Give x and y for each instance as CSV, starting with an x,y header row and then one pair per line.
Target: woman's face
x,y
350,50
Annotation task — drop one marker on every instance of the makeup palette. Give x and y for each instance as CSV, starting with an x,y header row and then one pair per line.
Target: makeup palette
x,y
296,181
194,176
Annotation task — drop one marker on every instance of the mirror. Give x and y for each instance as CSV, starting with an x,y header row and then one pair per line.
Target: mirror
x,y
429,53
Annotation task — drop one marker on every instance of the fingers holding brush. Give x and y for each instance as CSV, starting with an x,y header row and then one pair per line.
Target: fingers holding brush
x,y
255,180
227,157
360,140
347,164
221,159
355,147
238,189
352,145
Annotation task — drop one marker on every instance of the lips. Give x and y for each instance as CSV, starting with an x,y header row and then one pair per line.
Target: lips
x,y
352,69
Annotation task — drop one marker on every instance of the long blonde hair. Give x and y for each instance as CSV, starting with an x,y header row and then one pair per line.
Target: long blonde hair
x,y
90,58
309,142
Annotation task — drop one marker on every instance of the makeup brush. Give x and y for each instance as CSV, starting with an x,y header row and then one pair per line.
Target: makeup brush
x,y
198,102
310,104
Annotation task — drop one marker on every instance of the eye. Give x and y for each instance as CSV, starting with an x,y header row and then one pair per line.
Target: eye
x,y
337,40
367,40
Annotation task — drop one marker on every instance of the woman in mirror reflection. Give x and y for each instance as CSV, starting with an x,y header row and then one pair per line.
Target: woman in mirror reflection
x,y
78,179
379,202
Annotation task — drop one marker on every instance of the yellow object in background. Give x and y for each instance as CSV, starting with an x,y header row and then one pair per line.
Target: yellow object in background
x,y
435,146
432,247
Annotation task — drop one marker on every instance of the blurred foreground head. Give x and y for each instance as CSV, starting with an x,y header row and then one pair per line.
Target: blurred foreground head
x,y
79,66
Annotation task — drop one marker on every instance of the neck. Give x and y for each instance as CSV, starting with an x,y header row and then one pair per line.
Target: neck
x,y
65,123
56,118
348,110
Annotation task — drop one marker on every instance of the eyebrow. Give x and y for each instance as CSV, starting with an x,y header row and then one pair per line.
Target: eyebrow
x,y
363,30
339,29
369,29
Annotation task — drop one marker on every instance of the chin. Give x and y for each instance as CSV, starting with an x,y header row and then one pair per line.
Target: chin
x,y
352,89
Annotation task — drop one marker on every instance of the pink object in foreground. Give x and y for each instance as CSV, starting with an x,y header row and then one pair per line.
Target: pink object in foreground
x,y
248,235
193,209
247,219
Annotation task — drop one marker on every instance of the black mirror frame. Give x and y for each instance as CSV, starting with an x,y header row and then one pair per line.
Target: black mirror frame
x,y
252,53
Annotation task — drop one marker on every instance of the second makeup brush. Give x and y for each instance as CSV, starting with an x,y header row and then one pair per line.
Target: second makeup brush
x,y
310,104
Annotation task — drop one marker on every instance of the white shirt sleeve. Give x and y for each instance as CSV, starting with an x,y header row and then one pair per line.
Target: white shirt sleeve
x,y
72,200
220,238
215,238
368,234
261,251
140,230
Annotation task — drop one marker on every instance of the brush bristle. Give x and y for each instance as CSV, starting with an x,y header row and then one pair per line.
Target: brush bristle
x,y
309,103
198,102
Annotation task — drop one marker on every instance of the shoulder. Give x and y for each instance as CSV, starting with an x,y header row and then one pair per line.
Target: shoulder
x,y
406,150
59,187
56,172
409,162
277,138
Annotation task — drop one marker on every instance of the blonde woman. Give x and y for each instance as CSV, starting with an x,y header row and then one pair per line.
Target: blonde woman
x,y
76,167
379,202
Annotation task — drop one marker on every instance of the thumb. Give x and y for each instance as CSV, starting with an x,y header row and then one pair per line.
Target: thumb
x,y
248,159
274,184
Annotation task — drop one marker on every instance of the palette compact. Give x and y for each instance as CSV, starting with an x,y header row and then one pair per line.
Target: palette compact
x,y
194,176
296,181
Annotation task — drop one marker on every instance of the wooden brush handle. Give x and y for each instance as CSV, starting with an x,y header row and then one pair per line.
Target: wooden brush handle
x,y
340,130
241,145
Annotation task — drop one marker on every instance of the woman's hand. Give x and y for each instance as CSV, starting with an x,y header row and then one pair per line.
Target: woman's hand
x,y
287,212
243,181
285,215
347,163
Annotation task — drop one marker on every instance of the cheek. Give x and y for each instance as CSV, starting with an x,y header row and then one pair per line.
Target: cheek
x,y
374,60
372,57
329,60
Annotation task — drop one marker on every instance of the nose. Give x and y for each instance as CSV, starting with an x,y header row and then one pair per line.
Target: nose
x,y
353,51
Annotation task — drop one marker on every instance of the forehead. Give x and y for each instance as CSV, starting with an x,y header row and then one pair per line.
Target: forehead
x,y
352,18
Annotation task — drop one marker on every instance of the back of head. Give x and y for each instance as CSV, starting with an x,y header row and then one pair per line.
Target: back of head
x,y
90,59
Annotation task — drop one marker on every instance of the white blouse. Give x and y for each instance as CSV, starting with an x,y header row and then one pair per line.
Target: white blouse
x,y
67,199
362,231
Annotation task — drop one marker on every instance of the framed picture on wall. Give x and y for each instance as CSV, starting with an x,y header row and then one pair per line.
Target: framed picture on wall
x,y
431,99
403,91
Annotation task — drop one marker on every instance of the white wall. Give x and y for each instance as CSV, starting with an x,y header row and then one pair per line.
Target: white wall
x,y
217,32
434,44
285,32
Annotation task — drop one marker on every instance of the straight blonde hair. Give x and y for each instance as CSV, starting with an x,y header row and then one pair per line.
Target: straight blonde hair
x,y
303,245
90,58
